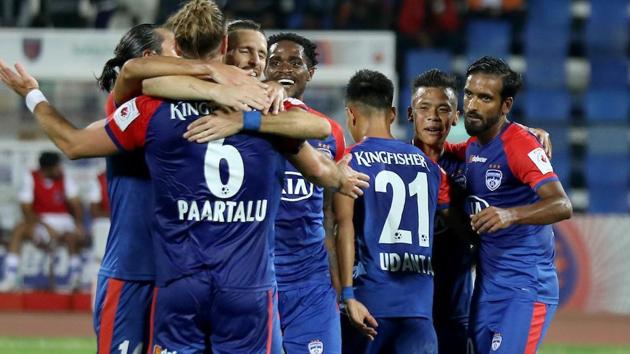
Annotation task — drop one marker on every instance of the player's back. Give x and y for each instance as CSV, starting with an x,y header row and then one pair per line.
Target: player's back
x,y
215,203
393,224
517,260
129,250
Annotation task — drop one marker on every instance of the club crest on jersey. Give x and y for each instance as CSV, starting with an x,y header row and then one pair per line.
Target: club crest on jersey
x,y
496,341
296,188
316,347
493,179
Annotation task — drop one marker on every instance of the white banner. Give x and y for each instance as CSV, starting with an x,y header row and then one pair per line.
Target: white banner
x,y
81,54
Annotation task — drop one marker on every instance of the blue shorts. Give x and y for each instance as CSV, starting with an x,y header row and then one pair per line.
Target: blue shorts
x,y
192,314
514,326
121,315
309,318
409,335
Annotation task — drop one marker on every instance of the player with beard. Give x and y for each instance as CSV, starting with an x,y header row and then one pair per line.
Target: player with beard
x,y
514,197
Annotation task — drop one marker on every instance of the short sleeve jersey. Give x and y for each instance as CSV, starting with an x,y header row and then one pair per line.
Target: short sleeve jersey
x,y
129,251
506,172
215,203
393,223
300,254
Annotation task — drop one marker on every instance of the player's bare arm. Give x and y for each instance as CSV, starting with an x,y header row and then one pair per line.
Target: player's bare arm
x,y
359,315
293,123
242,98
134,71
73,142
276,94
322,171
553,206
330,240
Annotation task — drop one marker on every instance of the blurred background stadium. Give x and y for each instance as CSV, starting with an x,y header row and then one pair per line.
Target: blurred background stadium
x,y
573,55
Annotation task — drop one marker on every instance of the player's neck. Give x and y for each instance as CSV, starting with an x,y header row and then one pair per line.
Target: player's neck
x,y
379,128
432,151
487,136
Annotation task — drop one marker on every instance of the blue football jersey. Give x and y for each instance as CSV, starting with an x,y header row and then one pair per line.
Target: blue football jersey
x,y
300,254
129,250
518,260
215,203
393,223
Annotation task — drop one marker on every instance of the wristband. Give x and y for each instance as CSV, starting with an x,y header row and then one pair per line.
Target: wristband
x,y
251,120
347,293
33,98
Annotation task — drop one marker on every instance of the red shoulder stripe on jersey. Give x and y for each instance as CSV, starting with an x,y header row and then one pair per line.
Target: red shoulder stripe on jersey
x,y
459,149
127,127
340,141
526,157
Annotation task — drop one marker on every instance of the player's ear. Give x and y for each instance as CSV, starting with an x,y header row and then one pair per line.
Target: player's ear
x,y
148,52
352,121
311,72
456,118
506,106
224,45
392,115
410,114
178,50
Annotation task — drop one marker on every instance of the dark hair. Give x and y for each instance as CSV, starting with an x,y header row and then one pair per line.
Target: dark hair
x,y
310,48
370,88
132,45
199,27
434,78
243,24
512,81
49,159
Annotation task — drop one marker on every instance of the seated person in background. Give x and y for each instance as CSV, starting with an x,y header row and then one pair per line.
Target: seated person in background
x,y
52,216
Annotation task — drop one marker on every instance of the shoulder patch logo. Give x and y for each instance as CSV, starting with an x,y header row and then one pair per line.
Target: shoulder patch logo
x,y
493,179
540,159
496,341
126,114
316,347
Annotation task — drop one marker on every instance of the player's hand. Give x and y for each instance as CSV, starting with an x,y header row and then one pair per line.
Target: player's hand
x,y
544,138
361,318
21,81
243,98
352,182
276,94
220,124
492,219
233,76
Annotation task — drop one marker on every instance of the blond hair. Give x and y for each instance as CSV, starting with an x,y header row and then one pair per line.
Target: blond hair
x,y
199,28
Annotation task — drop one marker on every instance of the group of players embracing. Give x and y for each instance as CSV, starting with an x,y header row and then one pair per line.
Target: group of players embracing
x,y
241,222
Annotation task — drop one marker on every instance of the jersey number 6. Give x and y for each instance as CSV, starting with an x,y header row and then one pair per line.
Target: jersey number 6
x,y
216,152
